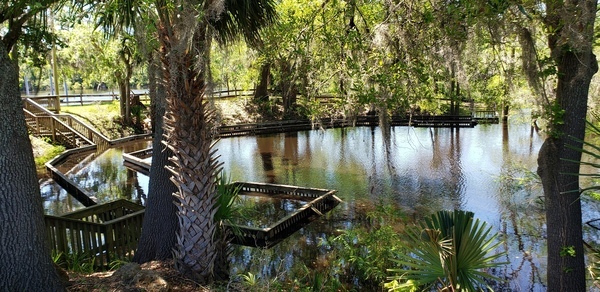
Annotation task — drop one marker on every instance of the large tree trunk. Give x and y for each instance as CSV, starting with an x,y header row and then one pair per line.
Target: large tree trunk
x,y
161,212
261,93
576,65
561,187
25,263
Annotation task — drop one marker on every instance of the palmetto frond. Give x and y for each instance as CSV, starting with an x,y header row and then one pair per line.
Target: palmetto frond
x,y
243,18
448,249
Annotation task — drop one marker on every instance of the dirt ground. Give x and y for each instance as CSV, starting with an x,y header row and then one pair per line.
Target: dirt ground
x,y
153,276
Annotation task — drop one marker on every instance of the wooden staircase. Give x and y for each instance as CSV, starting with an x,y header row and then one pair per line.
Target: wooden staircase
x,y
63,129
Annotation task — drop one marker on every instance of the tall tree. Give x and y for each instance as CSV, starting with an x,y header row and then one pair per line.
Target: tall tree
x,y
118,20
571,27
160,215
26,264
160,225
184,36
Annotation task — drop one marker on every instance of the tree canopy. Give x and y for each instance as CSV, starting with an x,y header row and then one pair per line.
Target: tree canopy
x,y
384,57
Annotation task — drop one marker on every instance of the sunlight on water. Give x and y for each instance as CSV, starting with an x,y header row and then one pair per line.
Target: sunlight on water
x,y
489,170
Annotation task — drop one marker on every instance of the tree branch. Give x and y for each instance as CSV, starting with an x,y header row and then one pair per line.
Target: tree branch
x,y
14,28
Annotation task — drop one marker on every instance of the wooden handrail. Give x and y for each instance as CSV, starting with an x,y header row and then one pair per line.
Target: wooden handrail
x,y
35,107
105,232
91,133
52,100
34,110
97,209
58,129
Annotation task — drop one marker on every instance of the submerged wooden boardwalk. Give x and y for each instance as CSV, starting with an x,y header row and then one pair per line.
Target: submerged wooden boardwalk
x,y
73,133
110,231
370,121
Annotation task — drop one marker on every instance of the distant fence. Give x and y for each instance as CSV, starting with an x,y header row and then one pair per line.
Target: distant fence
x,y
51,102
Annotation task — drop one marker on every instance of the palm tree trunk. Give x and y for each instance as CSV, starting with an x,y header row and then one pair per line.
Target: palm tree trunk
x,y
188,125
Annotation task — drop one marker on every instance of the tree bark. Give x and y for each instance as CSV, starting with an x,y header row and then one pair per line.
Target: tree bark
x,y
261,93
288,88
188,128
25,263
161,213
561,188
576,65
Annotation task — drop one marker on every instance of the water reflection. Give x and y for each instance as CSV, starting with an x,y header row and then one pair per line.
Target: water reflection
x,y
99,172
262,211
419,170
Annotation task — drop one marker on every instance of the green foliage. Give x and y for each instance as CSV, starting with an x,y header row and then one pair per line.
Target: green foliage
x,y
594,195
79,262
306,279
47,154
250,280
231,67
362,255
567,251
591,148
555,115
594,267
117,264
366,254
448,250
228,194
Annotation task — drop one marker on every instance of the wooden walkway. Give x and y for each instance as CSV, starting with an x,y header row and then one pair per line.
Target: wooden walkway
x,y
104,233
63,129
110,231
370,121
73,133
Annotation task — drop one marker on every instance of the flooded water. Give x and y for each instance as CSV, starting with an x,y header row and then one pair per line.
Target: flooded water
x,y
487,170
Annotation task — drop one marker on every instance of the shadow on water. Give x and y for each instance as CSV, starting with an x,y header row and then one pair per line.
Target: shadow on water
x,y
488,170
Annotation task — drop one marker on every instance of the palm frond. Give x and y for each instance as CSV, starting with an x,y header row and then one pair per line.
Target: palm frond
x,y
244,18
449,248
117,16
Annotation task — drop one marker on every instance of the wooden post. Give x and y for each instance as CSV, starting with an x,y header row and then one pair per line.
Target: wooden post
x,y
53,129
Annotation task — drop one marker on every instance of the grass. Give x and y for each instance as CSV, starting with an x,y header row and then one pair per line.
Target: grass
x,y
104,117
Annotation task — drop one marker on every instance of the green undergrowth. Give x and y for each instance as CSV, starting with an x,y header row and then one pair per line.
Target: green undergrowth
x,y
44,151
352,259
83,263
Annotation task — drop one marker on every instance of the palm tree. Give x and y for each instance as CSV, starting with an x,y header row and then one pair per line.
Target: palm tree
x,y
448,252
184,32
184,35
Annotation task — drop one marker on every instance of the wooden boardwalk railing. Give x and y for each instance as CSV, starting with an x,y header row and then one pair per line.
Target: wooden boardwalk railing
x,y
57,130
82,128
104,232
62,128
